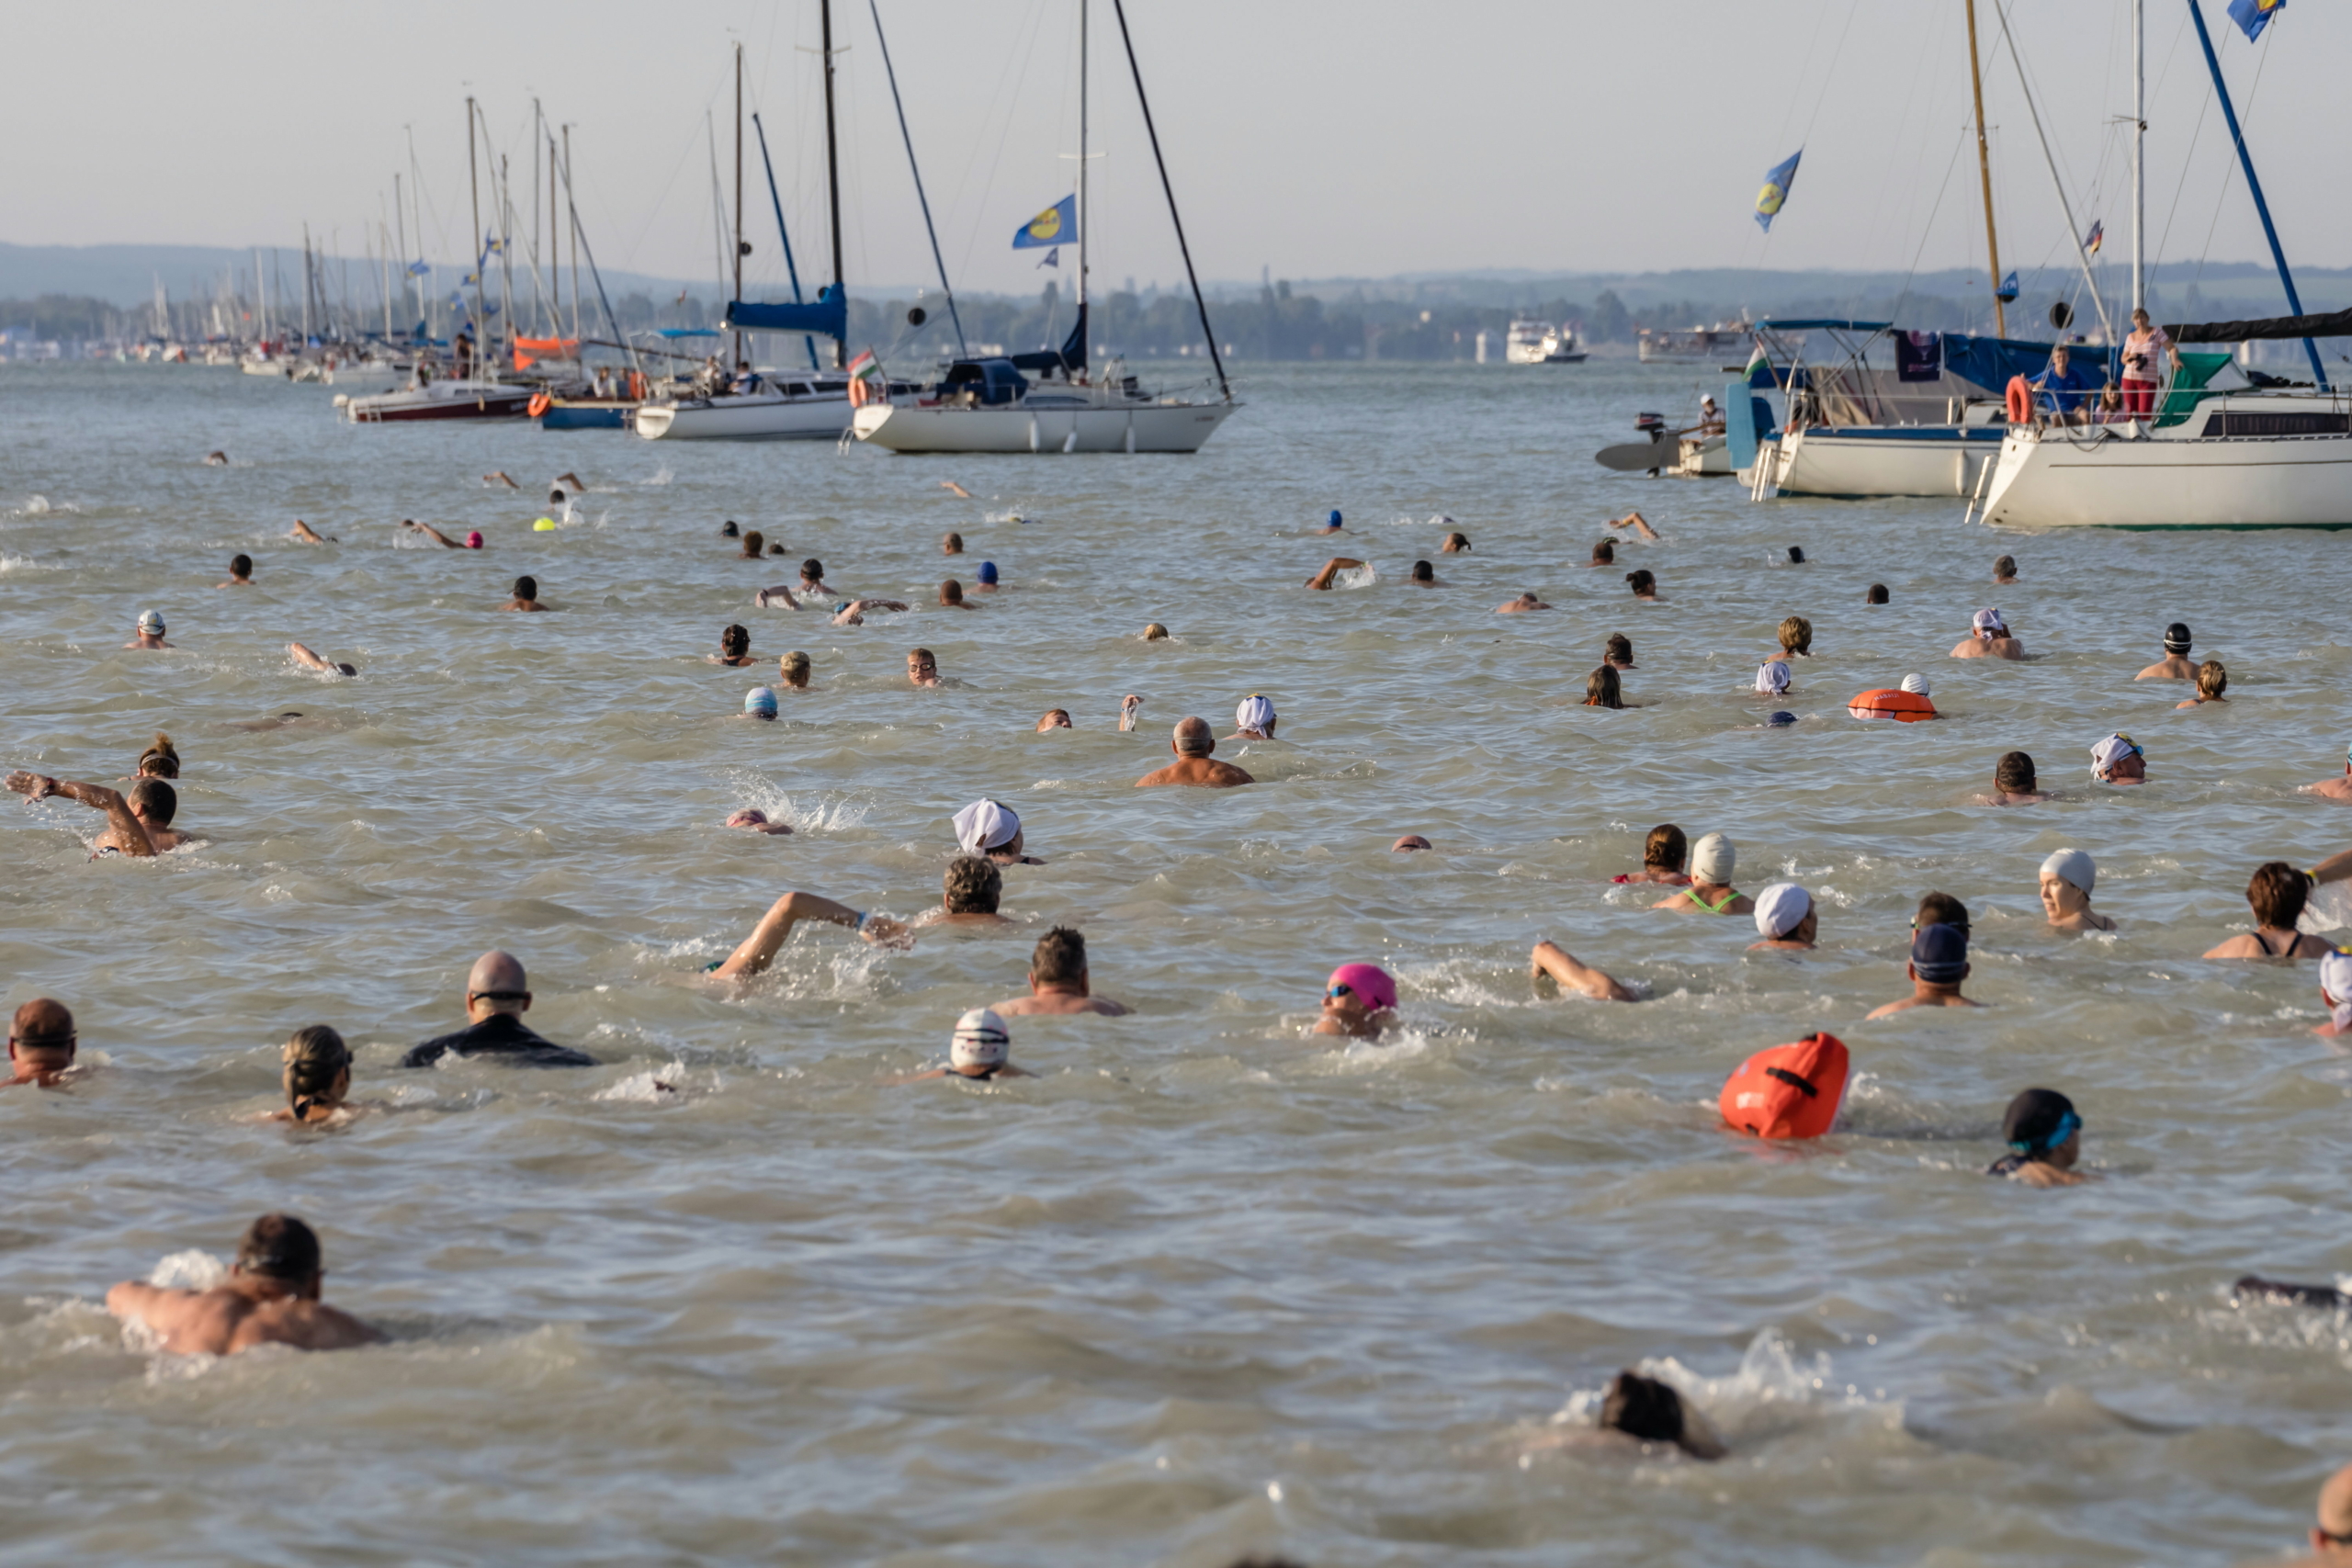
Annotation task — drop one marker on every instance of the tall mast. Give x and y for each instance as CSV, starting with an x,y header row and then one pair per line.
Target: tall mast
x,y
914,168
576,238
473,185
1200,303
2139,152
2066,207
832,166
399,228
1985,171
555,247
738,187
506,247
1084,233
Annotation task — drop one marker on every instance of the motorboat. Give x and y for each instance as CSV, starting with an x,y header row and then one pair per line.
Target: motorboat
x,y
1523,343
1699,345
1559,346
455,399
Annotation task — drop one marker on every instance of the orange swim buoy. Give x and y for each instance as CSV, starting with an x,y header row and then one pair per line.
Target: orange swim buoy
x,y
1789,1092
541,403
2020,400
1890,701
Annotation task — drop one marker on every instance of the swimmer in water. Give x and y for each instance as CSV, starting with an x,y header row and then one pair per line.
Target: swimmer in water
x,y
812,580
1254,719
734,647
959,490
1332,568
2330,1538
271,1297
853,613
1877,595
2335,992
923,668
1332,525
950,596
140,823
1988,638
161,760
1154,632
216,459
757,950
1056,719
1664,854
1796,555
500,479
527,596
1939,964
1652,1412
759,704
2176,665
1194,744
1644,584
149,634
2014,781
570,481
1787,918
1795,633
2045,1139
794,669
1408,843
303,534
2067,878
728,530
952,545
1603,554
1618,650
555,496
756,820
2117,760
1636,522
769,598
1773,678
1556,962
1713,859
497,995
755,545
1359,1001
241,572
311,661
2212,679
970,890
981,1048
985,580
1131,709
471,542
2335,788
41,1043
991,829
1520,605
2005,571
317,1075
1425,576
1603,689
2277,893
1059,982
1455,544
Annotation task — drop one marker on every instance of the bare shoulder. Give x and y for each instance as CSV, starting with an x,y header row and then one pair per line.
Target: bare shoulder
x,y
306,1325
1891,1009
2236,947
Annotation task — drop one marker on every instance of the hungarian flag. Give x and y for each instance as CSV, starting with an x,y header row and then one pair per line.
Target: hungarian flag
x,y
866,382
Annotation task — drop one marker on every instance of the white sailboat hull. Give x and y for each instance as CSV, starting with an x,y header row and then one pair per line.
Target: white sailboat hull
x,y
818,416
1130,427
1871,460
2131,477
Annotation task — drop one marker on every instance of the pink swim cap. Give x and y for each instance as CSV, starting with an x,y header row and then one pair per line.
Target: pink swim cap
x,y
1368,981
473,540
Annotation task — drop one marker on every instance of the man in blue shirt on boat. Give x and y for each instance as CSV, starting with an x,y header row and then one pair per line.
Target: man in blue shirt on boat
x,y
2067,387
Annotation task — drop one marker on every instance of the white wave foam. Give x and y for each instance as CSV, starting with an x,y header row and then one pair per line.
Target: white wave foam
x,y
194,1269
1770,1391
1012,515
666,1085
9,563
661,476
826,813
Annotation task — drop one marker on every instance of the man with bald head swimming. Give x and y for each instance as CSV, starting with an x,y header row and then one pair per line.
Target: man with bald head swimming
x,y
41,1043
497,995
1192,744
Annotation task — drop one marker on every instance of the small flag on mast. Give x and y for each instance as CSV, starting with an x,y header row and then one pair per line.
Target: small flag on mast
x,y
2091,240
2007,293
2253,16
1057,225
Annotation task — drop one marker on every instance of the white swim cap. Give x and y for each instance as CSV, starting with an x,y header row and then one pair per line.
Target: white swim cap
x,y
760,700
2071,865
1255,713
1712,858
984,824
2110,752
1773,678
150,622
980,1040
1917,685
1780,909
2335,986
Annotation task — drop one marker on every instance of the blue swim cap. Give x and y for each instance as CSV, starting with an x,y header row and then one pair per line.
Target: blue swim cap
x,y
1780,718
760,700
988,571
1334,518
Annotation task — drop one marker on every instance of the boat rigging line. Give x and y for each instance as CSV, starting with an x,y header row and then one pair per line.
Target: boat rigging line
x,y
1202,304
907,137
2066,207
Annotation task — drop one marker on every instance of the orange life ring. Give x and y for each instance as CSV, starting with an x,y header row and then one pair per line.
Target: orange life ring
x,y
2020,400
541,403
1789,1092
1891,702
858,395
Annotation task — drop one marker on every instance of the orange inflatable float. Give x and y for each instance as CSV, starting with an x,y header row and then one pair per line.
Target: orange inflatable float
x,y
539,404
1889,702
1789,1092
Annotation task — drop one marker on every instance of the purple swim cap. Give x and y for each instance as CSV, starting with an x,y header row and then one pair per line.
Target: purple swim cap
x,y
473,539
1368,981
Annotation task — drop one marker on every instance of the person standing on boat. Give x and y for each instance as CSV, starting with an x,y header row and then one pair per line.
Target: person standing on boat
x,y
2141,377
2066,386
462,350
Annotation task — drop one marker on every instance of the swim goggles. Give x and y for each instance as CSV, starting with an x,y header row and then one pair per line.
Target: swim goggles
x,y
2068,1125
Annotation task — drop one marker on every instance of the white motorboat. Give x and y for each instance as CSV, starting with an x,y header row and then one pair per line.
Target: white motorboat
x,y
1560,347
1861,460
802,407
1699,345
1523,343
440,399
988,406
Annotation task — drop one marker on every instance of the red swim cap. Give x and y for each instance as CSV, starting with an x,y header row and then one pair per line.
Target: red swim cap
x,y
1368,981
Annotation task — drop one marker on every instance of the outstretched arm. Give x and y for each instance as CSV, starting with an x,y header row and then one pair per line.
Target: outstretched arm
x,y
127,827
1636,522
1332,568
1551,959
758,950
306,659
767,598
2335,868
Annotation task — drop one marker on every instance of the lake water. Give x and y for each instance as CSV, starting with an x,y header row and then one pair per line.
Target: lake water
x,y
1209,1284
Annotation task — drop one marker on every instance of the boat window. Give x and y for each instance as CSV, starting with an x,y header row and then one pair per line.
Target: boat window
x,y
2277,421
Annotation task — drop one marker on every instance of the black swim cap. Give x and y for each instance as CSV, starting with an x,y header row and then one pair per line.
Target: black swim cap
x,y
1643,1407
1796,555
2176,638
1780,718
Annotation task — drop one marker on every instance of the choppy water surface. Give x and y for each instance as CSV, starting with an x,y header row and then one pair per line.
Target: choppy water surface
x,y
1208,1284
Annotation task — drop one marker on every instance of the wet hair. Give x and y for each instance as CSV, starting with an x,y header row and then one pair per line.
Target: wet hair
x,y
1060,957
812,569
914,654
735,642
314,1058
777,549
43,1023
161,760
526,588
1605,553
1154,631
754,542
1455,542
279,1247
1643,581
1796,636
157,800
953,544
951,592
794,661
1643,1407
1424,572
1877,595
2006,566
2212,678
1796,555
241,566
1941,909
2176,638
1620,647
1667,848
1601,690
728,530
2014,773
2278,894
973,886
2032,1122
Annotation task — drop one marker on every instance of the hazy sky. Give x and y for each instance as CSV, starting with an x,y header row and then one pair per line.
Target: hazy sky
x,y
1363,139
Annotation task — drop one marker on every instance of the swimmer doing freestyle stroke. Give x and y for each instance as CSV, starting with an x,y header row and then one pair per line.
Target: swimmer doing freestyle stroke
x,y
271,1297
140,824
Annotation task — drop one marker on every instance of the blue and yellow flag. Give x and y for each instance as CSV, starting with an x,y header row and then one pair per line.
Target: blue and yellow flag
x,y
2253,16
1775,194
1057,225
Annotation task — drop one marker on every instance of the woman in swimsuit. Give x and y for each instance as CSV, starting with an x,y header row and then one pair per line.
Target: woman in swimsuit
x,y
2277,895
1712,861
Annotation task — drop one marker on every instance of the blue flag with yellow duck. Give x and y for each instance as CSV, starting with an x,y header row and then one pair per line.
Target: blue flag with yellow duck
x,y
2253,16
1057,225
1775,193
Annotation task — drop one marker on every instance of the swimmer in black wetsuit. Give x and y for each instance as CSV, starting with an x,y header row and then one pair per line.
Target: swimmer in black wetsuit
x,y
497,995
981,1050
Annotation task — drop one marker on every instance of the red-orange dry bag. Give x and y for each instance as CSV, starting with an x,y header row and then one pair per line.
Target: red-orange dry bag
x,y
1789,1092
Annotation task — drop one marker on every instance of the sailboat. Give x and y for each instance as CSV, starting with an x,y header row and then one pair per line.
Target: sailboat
x,y
992,405
2207,459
